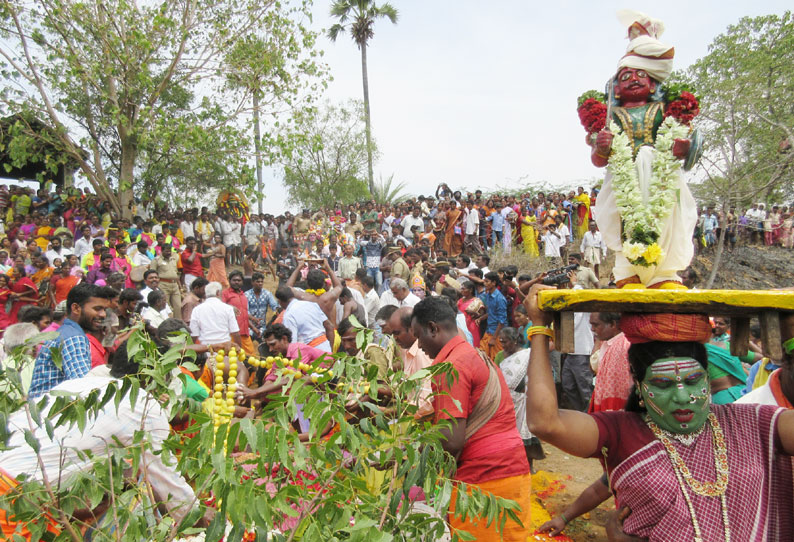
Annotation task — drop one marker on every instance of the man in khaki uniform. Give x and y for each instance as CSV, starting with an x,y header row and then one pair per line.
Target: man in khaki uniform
x,y
399,267
166,266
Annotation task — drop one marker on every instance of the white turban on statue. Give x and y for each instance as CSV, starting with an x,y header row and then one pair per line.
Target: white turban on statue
x,y
645,51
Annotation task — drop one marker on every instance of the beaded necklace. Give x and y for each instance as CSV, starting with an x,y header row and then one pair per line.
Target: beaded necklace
x,y
685,478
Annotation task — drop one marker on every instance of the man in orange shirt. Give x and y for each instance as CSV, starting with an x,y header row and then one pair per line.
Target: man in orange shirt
x,y
235,297
60,287
485,442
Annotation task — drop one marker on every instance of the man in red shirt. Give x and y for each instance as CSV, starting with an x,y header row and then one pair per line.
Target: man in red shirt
x,y
191,262
486,443
235,297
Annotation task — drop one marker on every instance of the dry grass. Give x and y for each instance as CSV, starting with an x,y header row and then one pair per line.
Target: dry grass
x,y
534,265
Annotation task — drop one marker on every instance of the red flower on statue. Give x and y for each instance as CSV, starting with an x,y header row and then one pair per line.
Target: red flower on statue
x,y
592,115
683,109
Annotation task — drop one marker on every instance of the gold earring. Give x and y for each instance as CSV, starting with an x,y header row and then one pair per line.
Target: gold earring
x,y
642,403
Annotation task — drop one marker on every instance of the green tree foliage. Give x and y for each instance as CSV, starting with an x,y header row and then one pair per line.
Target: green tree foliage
x,y
386,191
135,93
358,17
328,163
745,84
276,68
350,485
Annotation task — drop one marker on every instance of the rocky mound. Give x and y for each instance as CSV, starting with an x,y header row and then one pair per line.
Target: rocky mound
x,y
748,268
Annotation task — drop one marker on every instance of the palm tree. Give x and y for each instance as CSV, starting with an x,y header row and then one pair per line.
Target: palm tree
x,y
384,192
358,16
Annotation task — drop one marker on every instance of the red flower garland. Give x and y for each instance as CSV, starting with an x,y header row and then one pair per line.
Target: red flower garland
x,y
592,115
684,109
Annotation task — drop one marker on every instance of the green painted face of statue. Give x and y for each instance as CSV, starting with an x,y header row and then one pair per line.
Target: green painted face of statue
x,y
676,394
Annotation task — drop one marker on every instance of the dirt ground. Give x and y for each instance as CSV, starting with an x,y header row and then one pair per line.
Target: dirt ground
x,y
575,474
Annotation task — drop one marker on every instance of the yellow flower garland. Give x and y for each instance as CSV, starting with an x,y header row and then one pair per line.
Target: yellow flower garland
x,y
641,219
318,292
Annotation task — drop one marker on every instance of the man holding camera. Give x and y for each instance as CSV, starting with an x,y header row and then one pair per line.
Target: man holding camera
x,y
584,275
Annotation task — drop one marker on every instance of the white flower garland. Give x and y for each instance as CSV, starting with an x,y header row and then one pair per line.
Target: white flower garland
x,y
642,222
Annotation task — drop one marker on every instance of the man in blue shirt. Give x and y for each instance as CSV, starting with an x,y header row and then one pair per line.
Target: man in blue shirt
x,y
372,246
259,300
496,306
85,304
497,220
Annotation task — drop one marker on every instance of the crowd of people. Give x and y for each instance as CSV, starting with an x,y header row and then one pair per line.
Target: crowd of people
x,y
54,239
419,275
758,225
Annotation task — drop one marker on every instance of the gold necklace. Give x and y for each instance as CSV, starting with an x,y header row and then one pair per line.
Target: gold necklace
x,y
685,478
644,131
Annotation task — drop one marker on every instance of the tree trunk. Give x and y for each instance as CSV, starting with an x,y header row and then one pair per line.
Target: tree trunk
x,y
715,265
258,150
365,79
129,153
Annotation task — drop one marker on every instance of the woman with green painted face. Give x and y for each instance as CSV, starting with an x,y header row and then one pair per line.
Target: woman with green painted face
x,y
681,468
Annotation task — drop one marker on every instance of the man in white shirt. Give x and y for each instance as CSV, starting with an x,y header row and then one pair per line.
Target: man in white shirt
x,y
565,234
187,226
71,452
371,300
755,221
551,243
307,321
226,229
593,247
140,255
253,231
483,261
410,221
56,251
213,321
398,295
472,221
151,281
348,264
463,264
84,244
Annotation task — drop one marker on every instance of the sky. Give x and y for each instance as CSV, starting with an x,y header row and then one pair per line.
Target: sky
x,y
483,94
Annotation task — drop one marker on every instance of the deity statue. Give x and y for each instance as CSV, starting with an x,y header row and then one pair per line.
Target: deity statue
x,y
646,212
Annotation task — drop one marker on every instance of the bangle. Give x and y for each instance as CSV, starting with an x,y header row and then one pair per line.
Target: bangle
x,y
564,518
788,346
538,330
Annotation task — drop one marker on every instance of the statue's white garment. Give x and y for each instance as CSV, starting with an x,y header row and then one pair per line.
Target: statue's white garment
x,y
676,235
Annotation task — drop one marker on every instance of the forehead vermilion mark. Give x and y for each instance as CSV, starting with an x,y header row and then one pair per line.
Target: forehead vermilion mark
x,y
676,366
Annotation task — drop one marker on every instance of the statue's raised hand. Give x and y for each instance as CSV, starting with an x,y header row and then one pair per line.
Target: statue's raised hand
x,y
603,144
602,148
